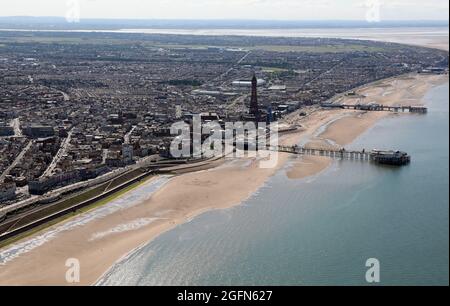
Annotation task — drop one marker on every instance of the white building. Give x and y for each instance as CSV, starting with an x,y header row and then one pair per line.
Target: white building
x,y
248,83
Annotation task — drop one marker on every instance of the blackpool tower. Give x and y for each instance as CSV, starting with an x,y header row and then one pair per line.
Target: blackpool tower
x,y
254,108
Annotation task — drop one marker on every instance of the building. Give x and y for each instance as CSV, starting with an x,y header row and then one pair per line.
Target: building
x,y
46,184
39,131
434,70
278,87
6,130
254,107
178,112
246,83
210,116
7,192
395,158
127,154
43,185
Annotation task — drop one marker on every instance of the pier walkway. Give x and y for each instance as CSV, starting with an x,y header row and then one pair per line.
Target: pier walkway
x,y
378,108
336,153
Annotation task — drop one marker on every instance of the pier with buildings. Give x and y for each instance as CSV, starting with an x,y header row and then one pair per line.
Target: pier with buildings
x,y
396,158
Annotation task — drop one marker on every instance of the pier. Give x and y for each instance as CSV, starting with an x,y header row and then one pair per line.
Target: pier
x,y
396,158
378,108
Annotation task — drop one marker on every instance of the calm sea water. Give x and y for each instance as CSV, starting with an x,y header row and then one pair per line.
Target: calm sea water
x,y
321,230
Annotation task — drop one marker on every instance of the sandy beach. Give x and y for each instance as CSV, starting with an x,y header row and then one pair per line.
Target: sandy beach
x,y
106,237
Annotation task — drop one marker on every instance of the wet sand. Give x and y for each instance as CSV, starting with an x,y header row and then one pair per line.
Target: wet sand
x,y
307,166
99,243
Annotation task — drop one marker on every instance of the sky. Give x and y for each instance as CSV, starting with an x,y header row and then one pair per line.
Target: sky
x,y
233,9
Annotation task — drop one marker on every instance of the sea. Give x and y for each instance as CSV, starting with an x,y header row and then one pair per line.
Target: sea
x,y
323,229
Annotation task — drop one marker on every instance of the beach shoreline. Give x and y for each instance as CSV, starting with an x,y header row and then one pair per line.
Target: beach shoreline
x,y
100,243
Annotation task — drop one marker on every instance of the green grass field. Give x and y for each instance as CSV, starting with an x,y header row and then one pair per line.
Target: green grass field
x,y
273,69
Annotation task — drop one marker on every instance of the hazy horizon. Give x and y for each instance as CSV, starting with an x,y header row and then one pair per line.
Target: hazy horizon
x,y
283,10
60,23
